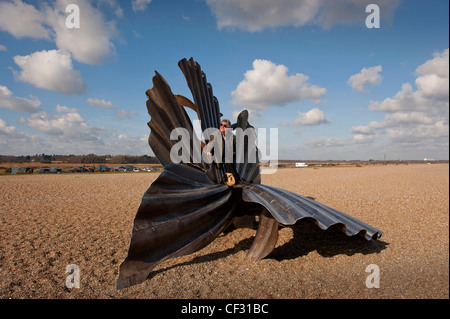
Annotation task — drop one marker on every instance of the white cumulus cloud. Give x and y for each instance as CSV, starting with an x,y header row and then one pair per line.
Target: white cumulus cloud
x,y
91,43
367,77
419,118
269,84
9,130
314,116
8,101
23,20
15,142
432,89
416,121
140,5
433,77
102,103
68,132
51,70
124,114
326,142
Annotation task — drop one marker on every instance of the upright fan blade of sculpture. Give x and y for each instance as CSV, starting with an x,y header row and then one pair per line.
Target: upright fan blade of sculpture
x,y
207,105
287,207
249,171
166,115
202,93
181,212
247,157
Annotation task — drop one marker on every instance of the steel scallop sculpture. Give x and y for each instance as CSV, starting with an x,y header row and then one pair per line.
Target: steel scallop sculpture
x,y
189,204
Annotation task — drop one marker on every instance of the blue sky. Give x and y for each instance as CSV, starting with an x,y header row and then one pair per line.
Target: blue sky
x,y
334,88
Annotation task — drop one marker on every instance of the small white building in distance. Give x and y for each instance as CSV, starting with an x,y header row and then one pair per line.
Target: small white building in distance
x,y
301,165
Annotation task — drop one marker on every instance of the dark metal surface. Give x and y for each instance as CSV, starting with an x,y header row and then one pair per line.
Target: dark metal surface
x,y
249,171
287,208
266,236
202,92
166,115
187,206
181,212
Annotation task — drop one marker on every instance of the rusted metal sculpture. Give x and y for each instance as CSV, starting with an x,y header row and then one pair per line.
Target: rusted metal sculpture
x,y
189,205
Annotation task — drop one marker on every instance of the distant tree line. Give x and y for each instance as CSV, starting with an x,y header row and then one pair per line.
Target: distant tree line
x,y
83,159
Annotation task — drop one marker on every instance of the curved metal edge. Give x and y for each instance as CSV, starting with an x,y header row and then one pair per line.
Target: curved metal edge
x,y
181,212
266,236
288,208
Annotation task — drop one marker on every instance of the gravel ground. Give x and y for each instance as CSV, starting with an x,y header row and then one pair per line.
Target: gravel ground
x,y
48,222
